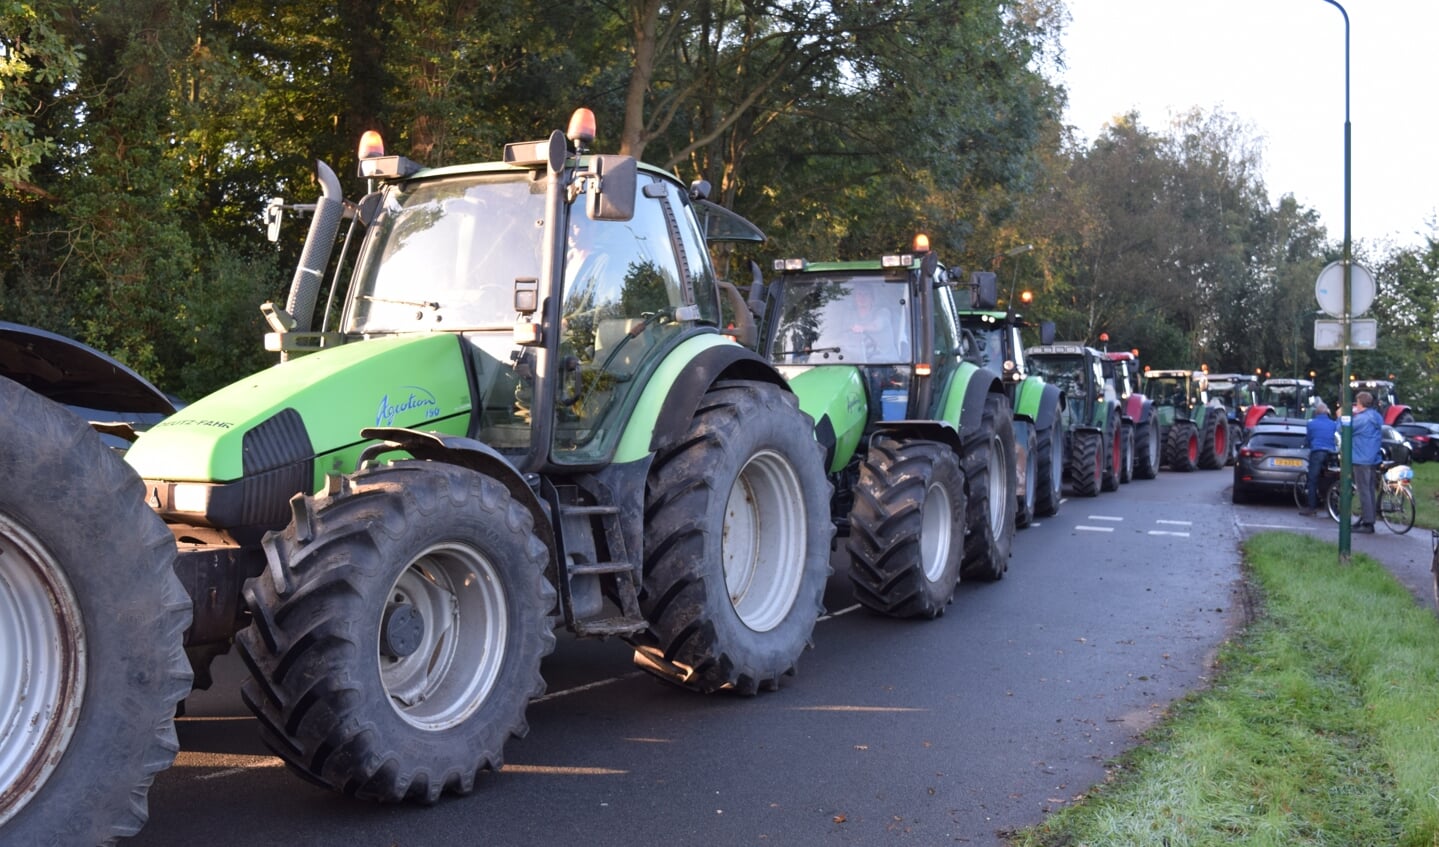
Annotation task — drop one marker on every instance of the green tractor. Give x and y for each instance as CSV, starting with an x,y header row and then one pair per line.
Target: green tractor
x,y
919,441
994,336
1194,428
1285,397
1096,441
519,412
1239,394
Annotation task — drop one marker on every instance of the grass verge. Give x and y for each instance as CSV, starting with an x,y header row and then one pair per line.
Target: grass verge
x,y
1322,726
1426,495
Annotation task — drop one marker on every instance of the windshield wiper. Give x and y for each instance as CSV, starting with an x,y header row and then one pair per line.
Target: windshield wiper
x,y
423,304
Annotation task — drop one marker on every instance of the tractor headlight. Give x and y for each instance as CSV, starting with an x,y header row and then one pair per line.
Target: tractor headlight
x,y
191,497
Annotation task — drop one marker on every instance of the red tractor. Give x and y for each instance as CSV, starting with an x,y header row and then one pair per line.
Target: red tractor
x,y
1138,412
1384,400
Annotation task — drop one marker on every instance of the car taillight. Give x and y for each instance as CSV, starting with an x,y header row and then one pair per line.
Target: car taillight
x,y
1251,453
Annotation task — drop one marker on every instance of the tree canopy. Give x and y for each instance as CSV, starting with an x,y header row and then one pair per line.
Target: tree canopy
x,y
140,139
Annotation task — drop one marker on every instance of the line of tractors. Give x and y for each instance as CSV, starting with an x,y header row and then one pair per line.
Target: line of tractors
x,y
526,401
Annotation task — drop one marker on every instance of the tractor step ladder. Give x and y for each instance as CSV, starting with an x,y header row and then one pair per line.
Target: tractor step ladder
x,y
593,550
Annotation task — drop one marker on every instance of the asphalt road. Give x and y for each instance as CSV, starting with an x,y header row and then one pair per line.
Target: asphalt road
x,y
948,731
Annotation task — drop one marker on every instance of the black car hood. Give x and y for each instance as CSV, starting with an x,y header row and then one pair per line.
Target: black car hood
x,y
73,374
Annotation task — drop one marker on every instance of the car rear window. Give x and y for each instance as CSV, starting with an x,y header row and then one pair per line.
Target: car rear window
x,y
1277,439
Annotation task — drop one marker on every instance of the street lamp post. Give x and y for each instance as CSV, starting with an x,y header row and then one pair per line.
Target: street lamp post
x,y
1346,451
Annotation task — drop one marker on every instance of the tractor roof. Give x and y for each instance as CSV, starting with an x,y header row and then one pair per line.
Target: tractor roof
x,y
1061,348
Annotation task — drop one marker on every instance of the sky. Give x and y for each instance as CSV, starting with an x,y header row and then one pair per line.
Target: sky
x,y
1277,66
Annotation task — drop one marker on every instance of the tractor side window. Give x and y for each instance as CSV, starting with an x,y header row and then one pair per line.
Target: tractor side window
x,y
946,347
700,285
622,285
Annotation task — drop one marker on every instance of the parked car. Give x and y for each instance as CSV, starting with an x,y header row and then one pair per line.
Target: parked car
x,y
1424,437
1270,460
1396,447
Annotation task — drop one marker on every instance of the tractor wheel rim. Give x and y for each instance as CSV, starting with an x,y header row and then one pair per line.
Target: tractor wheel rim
x,y
462,602
936,532
42,665
764,546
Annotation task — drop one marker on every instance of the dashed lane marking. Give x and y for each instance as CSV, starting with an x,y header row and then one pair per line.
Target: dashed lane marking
x,y
1083,528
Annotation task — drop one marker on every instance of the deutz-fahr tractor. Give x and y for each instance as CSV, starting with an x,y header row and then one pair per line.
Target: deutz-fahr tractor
x,y
1138,413
1385,401
1094,434
994,337
919,441
1288,398
521,412
1194,428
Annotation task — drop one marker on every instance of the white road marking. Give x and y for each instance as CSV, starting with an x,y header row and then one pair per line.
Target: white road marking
x,y
1175,523
1105,518
1168,532
1084,528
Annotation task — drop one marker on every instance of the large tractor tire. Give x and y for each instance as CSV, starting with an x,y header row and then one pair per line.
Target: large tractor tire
x,y
1024,502
1126,452
1087,462
1113,455
1182,447
991,486
1049,491
737,544
907,528
1236,439
398,630
1147,451
1214,442
92,619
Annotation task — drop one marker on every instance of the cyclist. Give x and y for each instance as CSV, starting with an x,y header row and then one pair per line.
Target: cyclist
x,y
1366,457
1319,438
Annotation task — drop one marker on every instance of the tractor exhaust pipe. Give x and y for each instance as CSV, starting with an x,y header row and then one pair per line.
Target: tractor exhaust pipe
x,y
319,243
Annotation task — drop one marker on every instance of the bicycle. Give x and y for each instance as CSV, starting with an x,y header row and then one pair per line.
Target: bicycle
x,y
1434,562
1327,478
1393,499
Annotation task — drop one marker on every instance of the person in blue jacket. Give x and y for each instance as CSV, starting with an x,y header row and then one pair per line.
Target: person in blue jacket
x,y
1366,456
1319,436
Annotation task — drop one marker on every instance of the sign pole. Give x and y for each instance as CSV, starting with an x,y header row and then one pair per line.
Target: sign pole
x,y
1346,453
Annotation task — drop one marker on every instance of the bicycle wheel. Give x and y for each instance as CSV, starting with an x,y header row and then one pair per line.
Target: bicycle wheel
x,y
1331,501
1301,490
1397,509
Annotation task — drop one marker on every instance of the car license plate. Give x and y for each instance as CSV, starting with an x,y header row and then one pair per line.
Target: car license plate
x,y
1289,463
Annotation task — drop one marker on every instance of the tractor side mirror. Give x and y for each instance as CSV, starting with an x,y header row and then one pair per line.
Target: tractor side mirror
x,y
984,289
612,196
1046,332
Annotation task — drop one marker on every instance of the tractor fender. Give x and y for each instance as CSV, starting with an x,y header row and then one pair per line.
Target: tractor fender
x,y
1394,413
939,431
465,452
1254,413
1136,409
1038,402
725,360
962,402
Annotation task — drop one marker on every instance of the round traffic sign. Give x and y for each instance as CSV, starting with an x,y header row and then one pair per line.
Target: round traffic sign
x,y
1329,289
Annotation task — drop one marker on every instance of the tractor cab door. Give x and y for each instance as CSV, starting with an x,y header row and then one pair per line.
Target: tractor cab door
x,y
629,290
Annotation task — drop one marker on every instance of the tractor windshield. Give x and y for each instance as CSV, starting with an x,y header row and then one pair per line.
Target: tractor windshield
x,y
1167,390
445,254
1064,372
1281,395
857,320
988,346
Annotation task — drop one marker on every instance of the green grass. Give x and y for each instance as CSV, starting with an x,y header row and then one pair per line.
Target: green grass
x,y
1426,495
1322,727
